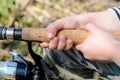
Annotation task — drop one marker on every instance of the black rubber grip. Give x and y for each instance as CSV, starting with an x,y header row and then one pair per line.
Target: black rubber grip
x,y
1,29
17,34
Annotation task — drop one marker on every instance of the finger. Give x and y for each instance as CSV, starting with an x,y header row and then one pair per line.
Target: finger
x,y
44,45
53,43
62,42
69,44
83,47
54,27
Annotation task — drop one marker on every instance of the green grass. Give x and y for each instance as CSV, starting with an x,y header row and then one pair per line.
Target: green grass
x,y
6,9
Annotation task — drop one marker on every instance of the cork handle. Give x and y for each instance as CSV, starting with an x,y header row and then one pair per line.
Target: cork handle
x,y
40,34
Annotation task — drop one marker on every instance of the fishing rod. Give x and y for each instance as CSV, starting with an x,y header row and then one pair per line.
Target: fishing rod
x,y
20,69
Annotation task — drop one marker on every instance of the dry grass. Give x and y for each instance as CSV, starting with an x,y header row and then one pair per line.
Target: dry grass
x,y
40,13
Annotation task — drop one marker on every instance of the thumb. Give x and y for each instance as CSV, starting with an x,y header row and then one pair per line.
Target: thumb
x,y
91,28
54,27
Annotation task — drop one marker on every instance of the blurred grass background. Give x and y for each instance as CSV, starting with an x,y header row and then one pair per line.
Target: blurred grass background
x,y
40,13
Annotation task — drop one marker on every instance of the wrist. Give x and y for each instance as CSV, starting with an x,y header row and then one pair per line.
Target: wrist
x,y
106,20
115,16
116,13
116,54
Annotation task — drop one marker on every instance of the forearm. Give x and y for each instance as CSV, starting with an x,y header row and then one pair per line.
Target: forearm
x,y
106,20
115,12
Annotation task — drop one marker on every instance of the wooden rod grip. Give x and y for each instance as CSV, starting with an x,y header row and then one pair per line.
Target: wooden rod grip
x,y
40,34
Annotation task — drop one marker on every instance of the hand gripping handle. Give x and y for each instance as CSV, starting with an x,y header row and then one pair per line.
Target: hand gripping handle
x,y
40,34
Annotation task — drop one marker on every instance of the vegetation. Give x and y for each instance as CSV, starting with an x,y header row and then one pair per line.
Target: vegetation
x,y
40,13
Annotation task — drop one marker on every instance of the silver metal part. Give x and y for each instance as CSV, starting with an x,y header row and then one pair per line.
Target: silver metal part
x,y
3,33
10,71
13,53
9,33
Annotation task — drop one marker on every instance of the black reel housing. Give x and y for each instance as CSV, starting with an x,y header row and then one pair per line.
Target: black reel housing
x,y
25,70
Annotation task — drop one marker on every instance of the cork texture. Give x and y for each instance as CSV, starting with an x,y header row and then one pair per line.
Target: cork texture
x,y
40,34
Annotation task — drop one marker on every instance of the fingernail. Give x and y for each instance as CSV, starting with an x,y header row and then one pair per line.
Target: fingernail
x,y
50,35
69,40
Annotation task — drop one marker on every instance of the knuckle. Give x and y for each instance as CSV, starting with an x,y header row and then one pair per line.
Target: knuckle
x,y
52,47
61,46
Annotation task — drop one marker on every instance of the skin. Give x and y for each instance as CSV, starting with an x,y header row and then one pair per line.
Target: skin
x,y
101,45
